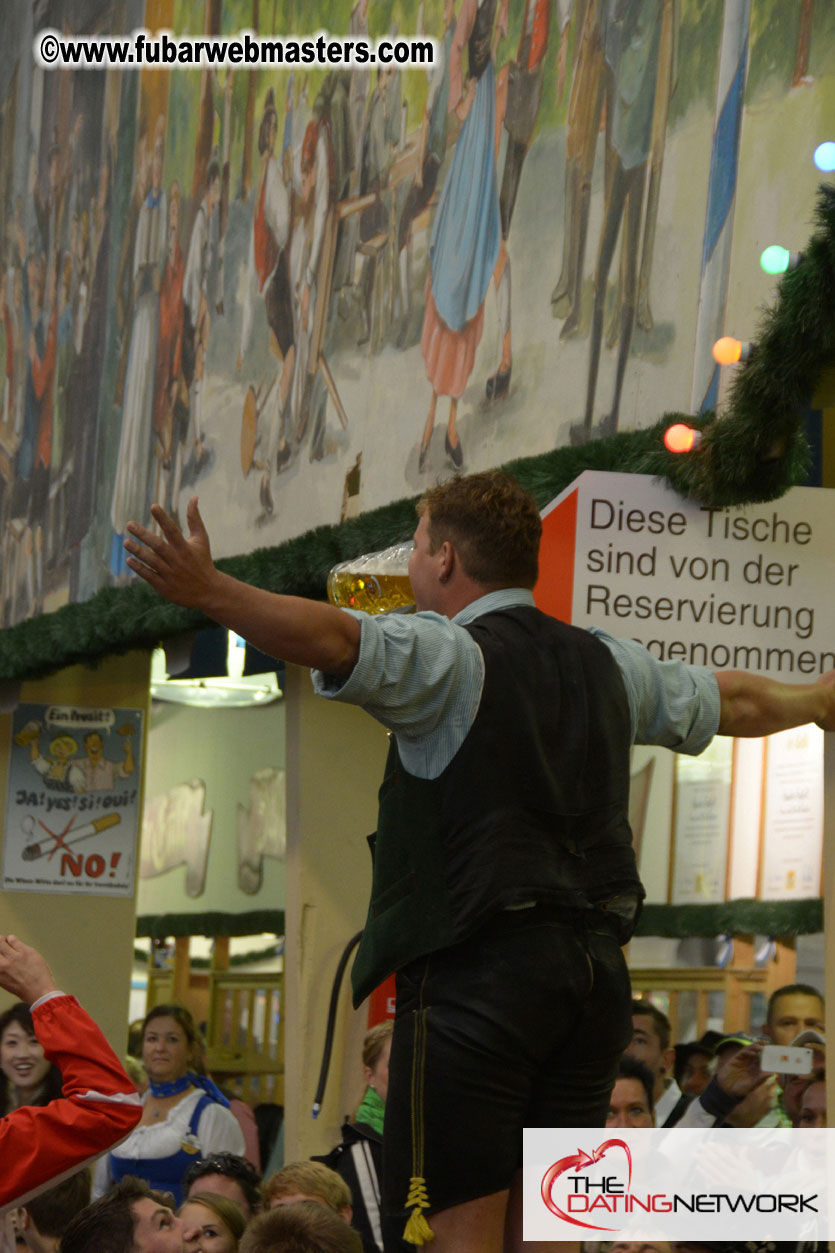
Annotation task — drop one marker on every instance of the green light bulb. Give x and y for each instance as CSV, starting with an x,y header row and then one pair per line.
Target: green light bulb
x,y
775,260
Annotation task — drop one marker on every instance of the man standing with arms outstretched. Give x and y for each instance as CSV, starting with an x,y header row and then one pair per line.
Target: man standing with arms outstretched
x,y
504,877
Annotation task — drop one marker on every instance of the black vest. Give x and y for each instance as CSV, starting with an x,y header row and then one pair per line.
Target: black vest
x,y
533,806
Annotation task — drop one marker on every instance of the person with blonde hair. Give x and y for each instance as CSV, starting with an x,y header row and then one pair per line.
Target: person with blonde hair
x,y
358,1159
136,1072
58,771
302,1227
308,1181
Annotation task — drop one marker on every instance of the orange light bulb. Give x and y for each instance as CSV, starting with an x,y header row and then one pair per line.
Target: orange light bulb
x,y
727,350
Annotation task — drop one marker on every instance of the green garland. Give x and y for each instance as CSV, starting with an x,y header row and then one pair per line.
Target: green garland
x,y
212,923
142,958
754,453
739,917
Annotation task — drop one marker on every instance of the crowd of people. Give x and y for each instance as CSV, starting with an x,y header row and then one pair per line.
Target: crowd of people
x,y
180,1181
718,1079
171,1175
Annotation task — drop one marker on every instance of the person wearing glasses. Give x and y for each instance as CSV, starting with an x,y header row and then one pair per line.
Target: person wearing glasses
x,y
226,1174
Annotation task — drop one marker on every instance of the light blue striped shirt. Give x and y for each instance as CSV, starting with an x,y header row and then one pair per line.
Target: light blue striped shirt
x,y
421,675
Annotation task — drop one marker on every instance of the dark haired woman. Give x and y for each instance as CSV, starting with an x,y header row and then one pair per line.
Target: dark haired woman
x,y
28,1078
184,1116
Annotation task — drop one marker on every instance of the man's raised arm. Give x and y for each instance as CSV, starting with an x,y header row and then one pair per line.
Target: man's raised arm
x,y
293,628
755,705
23,971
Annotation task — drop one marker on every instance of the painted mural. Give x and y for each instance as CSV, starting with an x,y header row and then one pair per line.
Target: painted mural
x,y
302,294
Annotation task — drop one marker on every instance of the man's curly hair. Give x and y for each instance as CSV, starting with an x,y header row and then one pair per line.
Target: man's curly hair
x,y
493,524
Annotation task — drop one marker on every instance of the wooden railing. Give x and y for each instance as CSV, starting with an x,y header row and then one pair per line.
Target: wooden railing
x,y
244,1016
684,994
246,1033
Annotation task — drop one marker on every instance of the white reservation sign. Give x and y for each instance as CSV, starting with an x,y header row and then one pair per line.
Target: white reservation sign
x,y
747,588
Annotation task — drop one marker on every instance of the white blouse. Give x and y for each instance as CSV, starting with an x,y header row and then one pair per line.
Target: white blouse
x,y
218,1131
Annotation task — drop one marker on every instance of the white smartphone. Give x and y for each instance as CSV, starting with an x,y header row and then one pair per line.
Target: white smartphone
x,y
785,1060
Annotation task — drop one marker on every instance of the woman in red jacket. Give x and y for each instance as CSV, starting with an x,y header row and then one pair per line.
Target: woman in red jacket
x,y
41,1144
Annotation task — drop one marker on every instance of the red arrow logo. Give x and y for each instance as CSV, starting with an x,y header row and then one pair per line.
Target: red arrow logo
x,y
578,1161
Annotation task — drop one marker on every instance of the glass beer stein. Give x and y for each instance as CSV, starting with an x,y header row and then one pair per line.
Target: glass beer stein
x,y
375,582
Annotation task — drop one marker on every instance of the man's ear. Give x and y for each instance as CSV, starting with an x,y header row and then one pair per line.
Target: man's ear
x,y
447,555
346,1213
668,1060
22,1217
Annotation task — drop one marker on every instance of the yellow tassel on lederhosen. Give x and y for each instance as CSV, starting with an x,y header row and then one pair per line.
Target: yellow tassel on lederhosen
x,y
417,1229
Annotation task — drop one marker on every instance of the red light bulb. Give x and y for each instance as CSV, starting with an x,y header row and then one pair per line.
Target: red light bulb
x,y
681,438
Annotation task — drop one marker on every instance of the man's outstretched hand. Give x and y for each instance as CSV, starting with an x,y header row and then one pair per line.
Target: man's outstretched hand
x,y
294,628
179,569
23,971
754,704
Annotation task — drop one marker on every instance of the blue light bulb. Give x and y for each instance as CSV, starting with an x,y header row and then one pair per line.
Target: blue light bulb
x,y
825,157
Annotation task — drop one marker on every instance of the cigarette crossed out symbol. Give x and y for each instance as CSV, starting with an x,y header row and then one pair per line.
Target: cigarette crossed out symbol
x,y
57,837
581,1160
33,851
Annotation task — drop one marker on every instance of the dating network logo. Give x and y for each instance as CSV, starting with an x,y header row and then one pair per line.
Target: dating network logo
x,y
585,1190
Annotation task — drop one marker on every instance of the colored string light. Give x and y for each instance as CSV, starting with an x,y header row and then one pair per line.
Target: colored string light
x,y
728,350
681,438
825,157
777,259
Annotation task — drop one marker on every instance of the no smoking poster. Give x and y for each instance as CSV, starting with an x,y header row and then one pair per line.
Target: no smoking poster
x,y
72,806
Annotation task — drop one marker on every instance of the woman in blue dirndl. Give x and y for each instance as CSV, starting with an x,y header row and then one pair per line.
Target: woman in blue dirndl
x,y
184,1116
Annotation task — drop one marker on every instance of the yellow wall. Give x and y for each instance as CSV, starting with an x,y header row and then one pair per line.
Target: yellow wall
x,y
87,940
335,759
